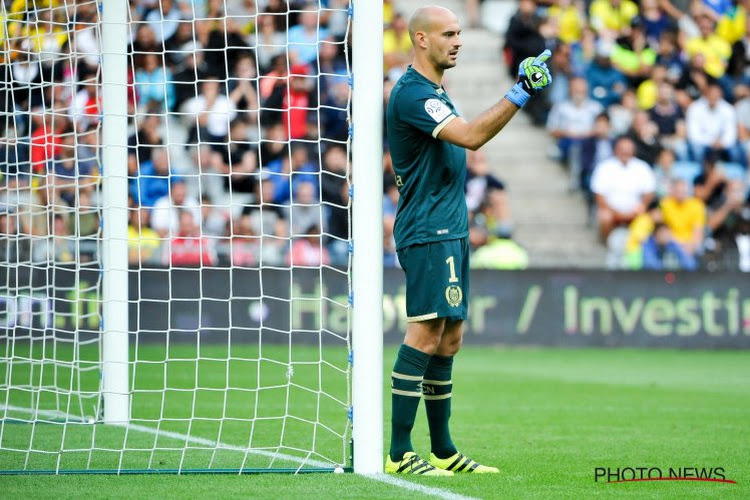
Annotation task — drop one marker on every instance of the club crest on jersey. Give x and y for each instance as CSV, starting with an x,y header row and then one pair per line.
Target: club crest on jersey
x,y
453,295
437,110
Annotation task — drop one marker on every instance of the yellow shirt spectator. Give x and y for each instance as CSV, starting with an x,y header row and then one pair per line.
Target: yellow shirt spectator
x,y
612,15
393,42
143,245
396,43
685,218
570,22
715,51
638,232
732,25
646,94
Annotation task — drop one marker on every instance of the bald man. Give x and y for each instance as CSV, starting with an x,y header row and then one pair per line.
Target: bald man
x,y
428,141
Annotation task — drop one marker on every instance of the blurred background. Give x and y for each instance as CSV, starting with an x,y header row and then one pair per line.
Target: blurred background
x,y
211,131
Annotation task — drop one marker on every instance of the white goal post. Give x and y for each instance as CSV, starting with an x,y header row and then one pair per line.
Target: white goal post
x,y
367,338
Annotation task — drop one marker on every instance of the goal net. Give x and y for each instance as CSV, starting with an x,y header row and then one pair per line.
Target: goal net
x,y
175,286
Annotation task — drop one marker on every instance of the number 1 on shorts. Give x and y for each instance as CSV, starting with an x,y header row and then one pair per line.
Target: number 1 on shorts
x,y
453,278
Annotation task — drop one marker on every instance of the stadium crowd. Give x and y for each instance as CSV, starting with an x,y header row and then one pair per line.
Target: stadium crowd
x,y
238,146
650,109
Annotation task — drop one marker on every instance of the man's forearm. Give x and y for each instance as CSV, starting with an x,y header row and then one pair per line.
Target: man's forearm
x,y
487,125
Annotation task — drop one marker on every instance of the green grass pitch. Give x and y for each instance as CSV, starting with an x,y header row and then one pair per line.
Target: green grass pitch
x,y
546,417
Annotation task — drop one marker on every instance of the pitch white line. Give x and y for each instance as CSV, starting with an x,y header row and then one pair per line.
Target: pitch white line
x,y
427,490
383,478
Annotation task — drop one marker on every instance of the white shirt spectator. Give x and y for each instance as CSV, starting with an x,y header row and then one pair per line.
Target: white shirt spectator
x,y
623,186
220,115
706,125
164,24
574,120
165,217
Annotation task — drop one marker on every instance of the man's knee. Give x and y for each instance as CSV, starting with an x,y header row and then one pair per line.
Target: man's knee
x,y
425,335
452,338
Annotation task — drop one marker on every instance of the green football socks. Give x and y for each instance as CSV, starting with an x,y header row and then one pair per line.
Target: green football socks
x,y
406,390
437,388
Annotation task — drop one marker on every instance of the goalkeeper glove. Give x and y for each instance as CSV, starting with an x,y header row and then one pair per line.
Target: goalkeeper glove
x,y
533,77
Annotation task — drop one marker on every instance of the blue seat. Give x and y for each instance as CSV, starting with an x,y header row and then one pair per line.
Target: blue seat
x,y
734,171
687,170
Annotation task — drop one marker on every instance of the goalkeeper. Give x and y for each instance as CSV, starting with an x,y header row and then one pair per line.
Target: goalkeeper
x,y
427,141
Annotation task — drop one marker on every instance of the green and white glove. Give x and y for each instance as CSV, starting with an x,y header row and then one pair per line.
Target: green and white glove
x,y
533,77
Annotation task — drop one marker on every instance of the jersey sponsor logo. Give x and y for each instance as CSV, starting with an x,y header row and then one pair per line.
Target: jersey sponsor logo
x,y
453,295
437,110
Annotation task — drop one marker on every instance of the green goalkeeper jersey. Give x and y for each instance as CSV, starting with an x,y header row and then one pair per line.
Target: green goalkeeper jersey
x,y
430,173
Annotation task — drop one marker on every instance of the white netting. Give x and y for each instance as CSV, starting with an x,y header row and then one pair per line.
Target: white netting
x,y
238,236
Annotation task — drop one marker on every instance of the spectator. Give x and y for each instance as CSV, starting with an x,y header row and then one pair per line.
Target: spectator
x,y
244,243
333,112
397,50
164,20
710,185
308,250
165,216
304,38
693,83
685,216
711,125
670,121
655,21
269,221
143,242
607,83
610,17
570,20
335,198
603,149
242,88
663,172
572,124
623,187
632,54
270,43
189,248
712,47
662,252
621,115
192,70
239,161
670,57
154,177
306,210
296,101
62,246
492,220
648,89
639,231
523,38
209,114
727,212
153,83
479,180
645,135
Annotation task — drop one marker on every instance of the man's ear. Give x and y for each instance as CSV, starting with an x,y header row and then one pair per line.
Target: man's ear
x,y
421,39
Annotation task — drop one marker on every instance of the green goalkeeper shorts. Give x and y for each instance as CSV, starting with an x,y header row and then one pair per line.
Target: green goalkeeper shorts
x,y
437,280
